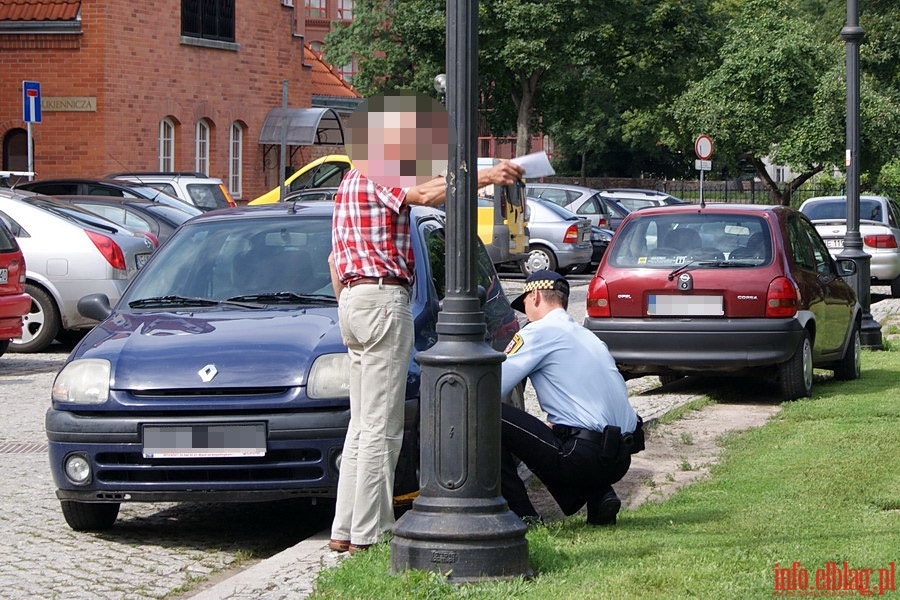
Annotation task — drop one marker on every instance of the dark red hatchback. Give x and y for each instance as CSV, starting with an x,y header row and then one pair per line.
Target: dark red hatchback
x,y
14,302
726,289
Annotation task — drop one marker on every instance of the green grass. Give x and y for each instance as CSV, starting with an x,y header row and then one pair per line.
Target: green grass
x,y
819,483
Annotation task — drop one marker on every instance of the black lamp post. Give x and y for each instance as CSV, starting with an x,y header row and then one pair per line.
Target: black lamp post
x,y
460,524
870,330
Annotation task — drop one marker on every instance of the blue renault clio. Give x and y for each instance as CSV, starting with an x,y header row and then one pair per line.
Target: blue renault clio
x,y
220,375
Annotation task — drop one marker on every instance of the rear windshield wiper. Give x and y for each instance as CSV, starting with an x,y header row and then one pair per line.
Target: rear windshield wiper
x,y
169,301
285,297
679,269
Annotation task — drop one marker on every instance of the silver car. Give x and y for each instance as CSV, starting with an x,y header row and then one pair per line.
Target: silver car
x,y
558,239
69,253
603,211
879,226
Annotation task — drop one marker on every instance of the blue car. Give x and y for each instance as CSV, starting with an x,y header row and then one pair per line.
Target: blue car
x,y
220,375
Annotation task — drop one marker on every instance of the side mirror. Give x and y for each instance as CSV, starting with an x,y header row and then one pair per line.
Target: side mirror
x,y
482,296
845,267
95,306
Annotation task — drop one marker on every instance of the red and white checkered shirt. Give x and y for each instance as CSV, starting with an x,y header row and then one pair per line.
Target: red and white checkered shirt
x,y
370,230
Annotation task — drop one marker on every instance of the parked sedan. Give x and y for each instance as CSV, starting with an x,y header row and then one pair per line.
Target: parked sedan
x,y
633,199
879,226
136,214
725,289
14,302
558,240
80,186
220,374
69,252
602,210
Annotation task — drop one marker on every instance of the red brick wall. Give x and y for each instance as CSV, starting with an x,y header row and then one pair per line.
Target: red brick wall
x,y
131,59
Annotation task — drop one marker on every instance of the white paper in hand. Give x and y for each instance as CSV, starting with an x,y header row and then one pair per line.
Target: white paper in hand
x,y
536,164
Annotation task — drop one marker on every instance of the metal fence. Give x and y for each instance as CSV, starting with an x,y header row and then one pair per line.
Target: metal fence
x,y
753,192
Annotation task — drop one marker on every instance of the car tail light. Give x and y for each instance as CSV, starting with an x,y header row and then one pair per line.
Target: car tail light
x,y
153,239
880,241
782,298
598,298
603,223
571,236
227,196
109,249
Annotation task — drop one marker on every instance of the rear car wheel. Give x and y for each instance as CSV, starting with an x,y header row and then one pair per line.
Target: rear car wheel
x,y
848,368
796,374
41,325
89,516
539,258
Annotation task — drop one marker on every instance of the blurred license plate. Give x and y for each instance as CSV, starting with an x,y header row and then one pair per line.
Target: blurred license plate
x,y
835,242
142,259
4,275
205,441
671,305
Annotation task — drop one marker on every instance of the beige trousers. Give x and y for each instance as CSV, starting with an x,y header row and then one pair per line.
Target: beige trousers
x,y
377,326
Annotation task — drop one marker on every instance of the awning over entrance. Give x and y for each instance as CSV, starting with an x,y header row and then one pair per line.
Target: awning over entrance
x,y
304,127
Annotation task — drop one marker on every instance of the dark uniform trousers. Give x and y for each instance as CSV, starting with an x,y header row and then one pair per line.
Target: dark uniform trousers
x,y
573,468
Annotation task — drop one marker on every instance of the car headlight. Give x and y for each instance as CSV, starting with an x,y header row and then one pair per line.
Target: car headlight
x,y
329,377
84,381
598,235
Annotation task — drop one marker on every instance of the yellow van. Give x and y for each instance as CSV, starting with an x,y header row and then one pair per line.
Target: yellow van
x,y
501,212
322,172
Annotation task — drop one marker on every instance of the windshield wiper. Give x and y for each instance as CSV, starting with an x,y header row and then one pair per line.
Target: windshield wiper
x,y
163,301
679,269
172,301
285,297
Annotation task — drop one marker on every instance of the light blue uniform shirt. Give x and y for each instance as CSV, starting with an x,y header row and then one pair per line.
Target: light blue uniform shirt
x,y
573,374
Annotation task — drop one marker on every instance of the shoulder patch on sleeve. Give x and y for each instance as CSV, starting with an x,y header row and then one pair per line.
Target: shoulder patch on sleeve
x,y
514,344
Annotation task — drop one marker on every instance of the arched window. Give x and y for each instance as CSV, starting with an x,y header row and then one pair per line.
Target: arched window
x,y
201,147
235,160
167,145
15,150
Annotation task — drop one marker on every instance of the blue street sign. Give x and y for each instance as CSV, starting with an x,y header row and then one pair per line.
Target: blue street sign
x,y
31,101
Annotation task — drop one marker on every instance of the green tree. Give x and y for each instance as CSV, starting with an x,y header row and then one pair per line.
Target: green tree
x,y
779,93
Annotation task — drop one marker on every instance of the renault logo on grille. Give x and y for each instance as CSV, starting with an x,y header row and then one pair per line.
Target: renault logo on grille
x,y
685,282
207,373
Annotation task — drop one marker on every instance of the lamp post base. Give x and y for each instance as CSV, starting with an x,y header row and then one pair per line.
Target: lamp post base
x,y
480,541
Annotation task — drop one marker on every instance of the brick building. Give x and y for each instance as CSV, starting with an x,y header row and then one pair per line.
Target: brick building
x,y
166,85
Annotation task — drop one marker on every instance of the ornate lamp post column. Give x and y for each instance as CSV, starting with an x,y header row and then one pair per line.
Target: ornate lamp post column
x,y
460,524
870,331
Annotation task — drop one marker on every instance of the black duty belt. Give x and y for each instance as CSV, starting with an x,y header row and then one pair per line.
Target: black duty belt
x,y
611,440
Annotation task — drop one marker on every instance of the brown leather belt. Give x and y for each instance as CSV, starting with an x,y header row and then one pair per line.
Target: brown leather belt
x,y
377,281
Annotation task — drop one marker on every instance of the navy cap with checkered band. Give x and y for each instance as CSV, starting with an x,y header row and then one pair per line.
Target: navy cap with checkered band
x,y
540,280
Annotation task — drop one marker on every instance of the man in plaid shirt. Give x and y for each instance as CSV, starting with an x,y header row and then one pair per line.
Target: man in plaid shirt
x,y
372,270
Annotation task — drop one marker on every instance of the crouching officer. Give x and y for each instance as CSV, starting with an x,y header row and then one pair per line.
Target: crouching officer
x,y
593,428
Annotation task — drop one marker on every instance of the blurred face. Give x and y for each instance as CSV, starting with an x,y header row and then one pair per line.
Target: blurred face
x,y
399,140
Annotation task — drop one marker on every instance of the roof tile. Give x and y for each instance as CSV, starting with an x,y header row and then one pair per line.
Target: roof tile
x,y
39,10
325,79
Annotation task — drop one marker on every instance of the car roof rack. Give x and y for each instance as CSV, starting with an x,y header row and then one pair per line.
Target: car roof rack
x,y
162,173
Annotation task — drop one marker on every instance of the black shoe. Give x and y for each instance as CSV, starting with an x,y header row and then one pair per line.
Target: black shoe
x,y
602,510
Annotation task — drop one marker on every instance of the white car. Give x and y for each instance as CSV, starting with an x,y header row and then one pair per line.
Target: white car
x,y
69,253
879,226
206,193
558,239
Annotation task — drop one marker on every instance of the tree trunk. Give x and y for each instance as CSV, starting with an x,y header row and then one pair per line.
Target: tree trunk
x,y
776,194
524,106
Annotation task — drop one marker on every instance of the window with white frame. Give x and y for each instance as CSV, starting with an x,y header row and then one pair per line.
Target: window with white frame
x,y
235,160
167,145
201,147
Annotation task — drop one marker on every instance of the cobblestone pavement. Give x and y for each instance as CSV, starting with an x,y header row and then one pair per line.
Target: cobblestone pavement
x,y
205,552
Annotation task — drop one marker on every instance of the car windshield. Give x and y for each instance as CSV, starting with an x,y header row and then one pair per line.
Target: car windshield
x,y
836,208
207,195
279,260
703,240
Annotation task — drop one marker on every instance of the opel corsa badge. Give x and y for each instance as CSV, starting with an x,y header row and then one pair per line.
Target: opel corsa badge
x,y
207,373
685,282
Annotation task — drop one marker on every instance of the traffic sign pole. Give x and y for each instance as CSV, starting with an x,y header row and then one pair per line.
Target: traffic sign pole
x,y
31,113
703,148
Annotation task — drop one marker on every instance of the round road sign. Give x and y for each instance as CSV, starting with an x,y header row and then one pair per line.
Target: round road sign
x,y
703,147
